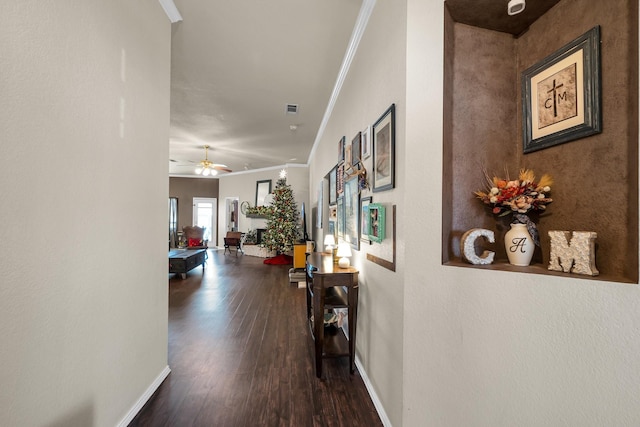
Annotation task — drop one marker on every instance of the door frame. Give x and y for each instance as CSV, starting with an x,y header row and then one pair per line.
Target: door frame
x,y
214,216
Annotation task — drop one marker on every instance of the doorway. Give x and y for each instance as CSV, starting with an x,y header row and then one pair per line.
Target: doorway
x,y
205,215
232,213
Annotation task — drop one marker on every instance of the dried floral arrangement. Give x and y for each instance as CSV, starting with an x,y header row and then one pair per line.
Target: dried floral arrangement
x,y
518,197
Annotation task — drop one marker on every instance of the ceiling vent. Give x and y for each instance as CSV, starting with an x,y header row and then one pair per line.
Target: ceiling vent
x,y
292,108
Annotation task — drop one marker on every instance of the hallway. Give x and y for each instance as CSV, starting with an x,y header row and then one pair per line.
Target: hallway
x,y
240,355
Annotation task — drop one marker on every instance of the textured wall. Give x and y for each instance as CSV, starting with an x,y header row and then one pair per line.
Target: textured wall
x,y
483,123
595,178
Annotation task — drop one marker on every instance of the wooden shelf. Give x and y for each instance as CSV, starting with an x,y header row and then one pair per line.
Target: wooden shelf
x,y
336,343
537,269
335,297
257,216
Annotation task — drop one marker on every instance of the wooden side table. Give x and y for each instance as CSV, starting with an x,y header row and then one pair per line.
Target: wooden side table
x,y
328,287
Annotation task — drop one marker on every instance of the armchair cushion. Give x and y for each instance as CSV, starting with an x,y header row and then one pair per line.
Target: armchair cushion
x,y
195,242
195,237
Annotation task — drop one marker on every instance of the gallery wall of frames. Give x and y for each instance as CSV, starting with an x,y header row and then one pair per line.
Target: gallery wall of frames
x,y
365,165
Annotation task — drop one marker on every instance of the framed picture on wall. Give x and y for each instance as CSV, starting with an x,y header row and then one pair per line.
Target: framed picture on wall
x,y
364,218
366,143
340,218
356,154
377,220
333,218
341,144
352,212
384,144
332,186
562,95
263,189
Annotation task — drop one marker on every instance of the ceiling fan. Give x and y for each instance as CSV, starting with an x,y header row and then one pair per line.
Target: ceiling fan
x,y
206,168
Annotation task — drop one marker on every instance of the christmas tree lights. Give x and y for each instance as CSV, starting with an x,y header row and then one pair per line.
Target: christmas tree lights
x,y
282,227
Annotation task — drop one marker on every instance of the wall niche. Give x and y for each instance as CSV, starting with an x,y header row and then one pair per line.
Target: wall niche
x,y
595,178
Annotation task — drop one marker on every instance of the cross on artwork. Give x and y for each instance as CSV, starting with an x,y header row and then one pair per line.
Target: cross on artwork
x,y
555,99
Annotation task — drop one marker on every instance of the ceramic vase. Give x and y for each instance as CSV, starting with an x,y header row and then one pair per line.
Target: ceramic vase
x,y
519,245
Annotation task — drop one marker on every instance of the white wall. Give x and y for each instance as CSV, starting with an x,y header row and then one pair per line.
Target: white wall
x,y
495,348
84,114
376,80
243,186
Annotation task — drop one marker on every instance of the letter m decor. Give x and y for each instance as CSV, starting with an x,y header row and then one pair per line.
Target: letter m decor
x,y
577,256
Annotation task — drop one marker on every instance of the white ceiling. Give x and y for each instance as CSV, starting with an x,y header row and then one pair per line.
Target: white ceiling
x,y
235,66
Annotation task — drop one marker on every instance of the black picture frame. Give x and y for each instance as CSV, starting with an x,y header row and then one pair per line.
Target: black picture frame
x,y
384,147
341,145
263,189
562,95
356,153
333,181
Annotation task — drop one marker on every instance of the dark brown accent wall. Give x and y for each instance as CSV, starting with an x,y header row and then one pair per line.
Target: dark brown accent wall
x,y
185,189
595,178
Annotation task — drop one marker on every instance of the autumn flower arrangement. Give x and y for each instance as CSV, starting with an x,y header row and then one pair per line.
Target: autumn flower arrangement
x,y
518,197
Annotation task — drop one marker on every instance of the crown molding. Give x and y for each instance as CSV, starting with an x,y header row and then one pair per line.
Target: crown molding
x,y
171,10
358,30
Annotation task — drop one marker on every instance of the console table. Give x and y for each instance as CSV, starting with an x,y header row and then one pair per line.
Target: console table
x,y
329,287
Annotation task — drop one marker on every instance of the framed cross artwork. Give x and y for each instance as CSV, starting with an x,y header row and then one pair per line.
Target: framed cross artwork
x,y
562,95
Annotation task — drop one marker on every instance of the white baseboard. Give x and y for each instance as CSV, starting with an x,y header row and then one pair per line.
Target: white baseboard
x,y
144,398
372,393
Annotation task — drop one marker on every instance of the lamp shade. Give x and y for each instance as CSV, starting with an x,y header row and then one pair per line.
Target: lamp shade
x,y
329,240
344,250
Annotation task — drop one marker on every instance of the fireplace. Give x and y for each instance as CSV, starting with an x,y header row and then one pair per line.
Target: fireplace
x,y
259,233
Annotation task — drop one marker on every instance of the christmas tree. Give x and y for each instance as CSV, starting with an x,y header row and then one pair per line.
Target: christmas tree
x,y
282,226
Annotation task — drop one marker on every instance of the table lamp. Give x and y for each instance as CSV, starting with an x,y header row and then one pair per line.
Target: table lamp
x,y
329,243
344,252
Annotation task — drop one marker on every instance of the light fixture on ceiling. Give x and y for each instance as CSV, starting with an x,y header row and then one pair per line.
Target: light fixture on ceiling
x,y
516,6
206,168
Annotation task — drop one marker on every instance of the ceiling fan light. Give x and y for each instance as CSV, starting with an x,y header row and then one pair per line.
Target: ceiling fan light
x,y
206,168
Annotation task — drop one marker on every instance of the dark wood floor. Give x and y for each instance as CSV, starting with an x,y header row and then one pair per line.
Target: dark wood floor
x,y
240,355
